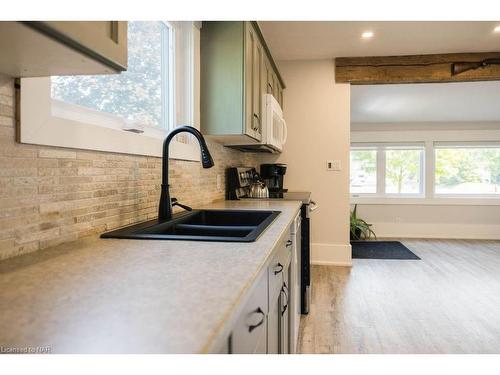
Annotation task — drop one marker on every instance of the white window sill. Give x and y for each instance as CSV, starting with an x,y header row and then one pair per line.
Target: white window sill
x,y
436,201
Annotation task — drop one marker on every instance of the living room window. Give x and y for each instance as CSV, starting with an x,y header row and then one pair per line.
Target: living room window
x,y
129,112
384,170
404,167
432,172
363,177
467,169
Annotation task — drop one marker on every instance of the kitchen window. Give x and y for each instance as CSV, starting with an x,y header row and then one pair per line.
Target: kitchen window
x,y
129,112
387,170
142,94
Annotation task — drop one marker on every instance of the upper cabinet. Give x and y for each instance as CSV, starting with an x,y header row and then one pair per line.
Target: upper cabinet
x,y
36,49
274,85
237,69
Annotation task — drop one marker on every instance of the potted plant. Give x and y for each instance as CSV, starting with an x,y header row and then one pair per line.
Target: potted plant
x,y
360,229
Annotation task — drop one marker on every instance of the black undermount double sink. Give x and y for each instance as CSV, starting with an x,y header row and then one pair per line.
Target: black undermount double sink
x,y
202,225
196,225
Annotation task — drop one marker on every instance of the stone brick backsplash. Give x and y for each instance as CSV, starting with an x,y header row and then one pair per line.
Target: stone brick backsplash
x,y
51,195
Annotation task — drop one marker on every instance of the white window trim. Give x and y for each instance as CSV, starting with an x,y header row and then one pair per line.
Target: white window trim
x,y
50,122
432,139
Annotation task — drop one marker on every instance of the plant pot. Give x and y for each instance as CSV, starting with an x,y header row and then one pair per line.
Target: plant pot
x,y
357,235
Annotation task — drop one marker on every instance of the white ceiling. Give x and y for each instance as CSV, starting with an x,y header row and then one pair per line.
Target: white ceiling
x,y
474,101
429,102
296,40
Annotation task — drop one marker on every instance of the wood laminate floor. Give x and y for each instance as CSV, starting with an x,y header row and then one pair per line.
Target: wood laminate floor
x,y
448,302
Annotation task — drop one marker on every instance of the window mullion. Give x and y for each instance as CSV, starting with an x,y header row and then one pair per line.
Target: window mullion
x,y
429,169
380,171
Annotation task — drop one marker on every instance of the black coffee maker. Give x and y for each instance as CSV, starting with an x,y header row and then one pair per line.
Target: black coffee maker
x,y
273,177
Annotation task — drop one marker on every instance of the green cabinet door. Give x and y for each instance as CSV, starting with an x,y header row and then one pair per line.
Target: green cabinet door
x,y
273,85
258,68
254,55
280,95
268,76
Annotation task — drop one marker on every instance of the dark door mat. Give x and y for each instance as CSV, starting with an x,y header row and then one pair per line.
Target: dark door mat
x,y
381,250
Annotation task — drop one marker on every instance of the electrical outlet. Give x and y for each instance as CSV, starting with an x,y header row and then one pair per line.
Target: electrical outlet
x,y
219,182
333,165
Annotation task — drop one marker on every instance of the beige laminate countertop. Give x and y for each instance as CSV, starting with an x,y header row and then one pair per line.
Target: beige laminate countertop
x,y
133,296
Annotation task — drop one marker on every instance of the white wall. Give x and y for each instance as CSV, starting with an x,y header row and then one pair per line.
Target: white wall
x,y
433,218
433,221
317,112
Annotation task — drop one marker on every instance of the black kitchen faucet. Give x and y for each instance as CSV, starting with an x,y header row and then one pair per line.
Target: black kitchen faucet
x,y
165,209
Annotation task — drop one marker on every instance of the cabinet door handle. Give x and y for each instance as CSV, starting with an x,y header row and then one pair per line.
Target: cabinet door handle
x,y
288,243
284,289
258,311
256,116
280,266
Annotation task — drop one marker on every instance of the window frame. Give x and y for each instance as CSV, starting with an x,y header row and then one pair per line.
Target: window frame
x,y
430,197
381,148
51,122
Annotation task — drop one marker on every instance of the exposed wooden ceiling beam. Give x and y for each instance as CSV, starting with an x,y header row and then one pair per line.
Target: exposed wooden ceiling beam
x,y
413,69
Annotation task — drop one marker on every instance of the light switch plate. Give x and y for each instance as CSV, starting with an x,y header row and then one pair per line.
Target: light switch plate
x,y
333,165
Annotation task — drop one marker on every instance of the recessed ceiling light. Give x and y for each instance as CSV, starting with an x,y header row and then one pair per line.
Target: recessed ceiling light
x,y
496,29
367,35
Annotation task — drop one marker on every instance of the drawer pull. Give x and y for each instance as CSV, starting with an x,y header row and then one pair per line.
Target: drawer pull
x,y
258,311
288,243
280,266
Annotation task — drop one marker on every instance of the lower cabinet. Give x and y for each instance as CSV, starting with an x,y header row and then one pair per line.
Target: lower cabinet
x,y
285,313
250,331
273,323
278,337
263,324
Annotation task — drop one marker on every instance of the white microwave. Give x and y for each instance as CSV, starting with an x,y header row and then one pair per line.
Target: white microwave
x,y
274,130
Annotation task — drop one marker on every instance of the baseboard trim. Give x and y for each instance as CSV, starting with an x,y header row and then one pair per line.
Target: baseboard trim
x,y
440,231
337,264
331,254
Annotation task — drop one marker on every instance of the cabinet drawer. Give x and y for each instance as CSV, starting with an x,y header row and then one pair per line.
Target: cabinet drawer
x,y
250,331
